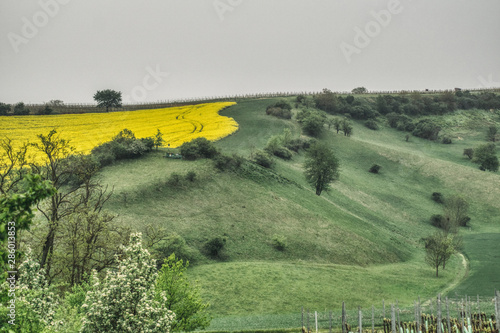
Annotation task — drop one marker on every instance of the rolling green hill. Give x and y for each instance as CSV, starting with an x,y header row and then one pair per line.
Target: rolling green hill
x,y
359,242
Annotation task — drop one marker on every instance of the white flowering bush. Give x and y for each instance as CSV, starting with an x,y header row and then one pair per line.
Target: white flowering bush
x,y
124,301
36,304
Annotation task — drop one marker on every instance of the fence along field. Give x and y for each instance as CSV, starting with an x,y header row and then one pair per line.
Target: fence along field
x,y
85,131
464,315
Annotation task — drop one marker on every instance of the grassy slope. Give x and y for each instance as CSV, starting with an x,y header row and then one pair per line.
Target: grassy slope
x,y
359,242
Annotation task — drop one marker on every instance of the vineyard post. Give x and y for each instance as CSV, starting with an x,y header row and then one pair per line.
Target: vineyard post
x,y
462,315
393,319
383,307
497,309
373,319
438,305
419,315
479,311
448,315
330,322
397,309
343,318
360,320
316,320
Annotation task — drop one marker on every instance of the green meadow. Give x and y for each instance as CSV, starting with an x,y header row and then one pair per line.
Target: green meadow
x,y
360,242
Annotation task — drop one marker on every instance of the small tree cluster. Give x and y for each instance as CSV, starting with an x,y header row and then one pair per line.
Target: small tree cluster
x,y
123,146
262,158
281,109
312,121
485,155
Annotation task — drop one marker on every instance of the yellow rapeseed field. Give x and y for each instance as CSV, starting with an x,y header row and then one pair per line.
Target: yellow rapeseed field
x,y
85,131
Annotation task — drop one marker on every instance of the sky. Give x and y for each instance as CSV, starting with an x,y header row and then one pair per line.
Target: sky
x,y
157,50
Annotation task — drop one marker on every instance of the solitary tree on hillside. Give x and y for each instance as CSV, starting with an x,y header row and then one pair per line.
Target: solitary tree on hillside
x,y
158,139
438,248
108,98
321,167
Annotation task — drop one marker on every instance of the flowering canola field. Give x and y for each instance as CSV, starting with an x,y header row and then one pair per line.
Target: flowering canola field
x,y
85,131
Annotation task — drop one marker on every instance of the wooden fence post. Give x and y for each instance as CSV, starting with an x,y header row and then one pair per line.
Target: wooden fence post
x,y
343,318
497,308
479,311
360,320
438,305
393,319
316,320
398,322
448,324
373,319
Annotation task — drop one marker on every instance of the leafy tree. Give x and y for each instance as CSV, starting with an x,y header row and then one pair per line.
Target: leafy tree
x,y
126,299
327,101
16,215
321,166
347,127
469,152
198,148
13,165
455,213
485,156
312,122
20,109
492,133
4,109
439,248
158,139
108,98
359,90
182,299
262,158
427,129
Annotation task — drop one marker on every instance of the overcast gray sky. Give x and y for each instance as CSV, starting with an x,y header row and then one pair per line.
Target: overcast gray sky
x,y
69,49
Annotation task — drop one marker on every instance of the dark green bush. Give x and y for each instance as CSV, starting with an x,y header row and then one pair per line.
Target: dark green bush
x,y
426,129
283,153
174,243
4,109
437,197
148,142
191,176
375,168
198,148
469,152
438,221
263,159
175,180
21,110
371,124
279,112
446,140
279,242
215,246
223,162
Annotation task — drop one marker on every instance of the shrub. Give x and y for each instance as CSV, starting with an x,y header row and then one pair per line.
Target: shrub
x,y
224,162
469,152
198,148
279,242
437,197
279,112
263,159
215,246
427,129
174,243
485,156
191,176
283,153
375,168
371,124
446,140
4,109
437,220
148,142
174,180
